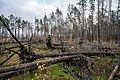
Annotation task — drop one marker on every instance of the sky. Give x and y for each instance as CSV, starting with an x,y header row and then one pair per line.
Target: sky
x,y
29,9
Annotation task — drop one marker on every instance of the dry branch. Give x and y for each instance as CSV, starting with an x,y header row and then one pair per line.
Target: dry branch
x,y
1,63
114,72
73,75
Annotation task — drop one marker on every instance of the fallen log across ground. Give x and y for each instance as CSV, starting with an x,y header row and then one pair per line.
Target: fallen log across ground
x,y
16,73
46,62
37,56
114,72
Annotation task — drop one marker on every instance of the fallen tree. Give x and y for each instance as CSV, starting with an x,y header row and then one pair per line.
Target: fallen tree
x,y
46,62
16,73
37,56
7,72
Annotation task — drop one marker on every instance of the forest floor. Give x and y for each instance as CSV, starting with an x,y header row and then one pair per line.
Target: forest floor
x,y
100,71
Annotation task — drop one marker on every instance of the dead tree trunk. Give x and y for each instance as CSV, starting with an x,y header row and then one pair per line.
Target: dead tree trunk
x,y
47,62
16,73
98,30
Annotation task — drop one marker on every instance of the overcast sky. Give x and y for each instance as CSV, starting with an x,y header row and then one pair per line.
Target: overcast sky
x,y
29,9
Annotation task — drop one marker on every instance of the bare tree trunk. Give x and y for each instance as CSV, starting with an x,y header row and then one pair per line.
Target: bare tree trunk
x,y
83,22
102,14
98,33
109,19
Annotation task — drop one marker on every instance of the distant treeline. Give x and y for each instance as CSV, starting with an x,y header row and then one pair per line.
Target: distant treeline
x,y
87,22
